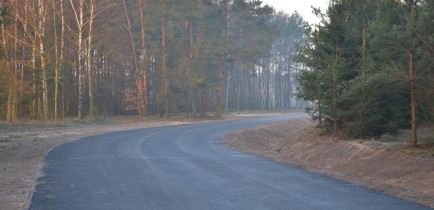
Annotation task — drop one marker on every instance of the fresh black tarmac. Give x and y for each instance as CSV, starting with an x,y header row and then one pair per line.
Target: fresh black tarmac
x,y
188,167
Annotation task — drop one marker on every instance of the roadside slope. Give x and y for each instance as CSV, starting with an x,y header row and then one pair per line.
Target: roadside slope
x,y
398,172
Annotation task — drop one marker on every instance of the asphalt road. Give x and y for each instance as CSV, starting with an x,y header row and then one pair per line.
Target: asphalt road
x,y
188,167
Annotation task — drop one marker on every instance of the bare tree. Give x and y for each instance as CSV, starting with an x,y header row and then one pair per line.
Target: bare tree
x,y
10,115
139,83
62,55
163,58
142,4
57,63
89,60
41,34
225,13
79,20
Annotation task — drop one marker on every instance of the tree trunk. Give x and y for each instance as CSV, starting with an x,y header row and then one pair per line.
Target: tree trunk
x,y
41,33
145,78
267,85
139,83
227,91
220,88
62,50
192,84
89,62
335,98
202,103
56,66
23,53
219,113
14,80
163,58
364,52
79,61
10,114
34,111
412,80
319,115
80,30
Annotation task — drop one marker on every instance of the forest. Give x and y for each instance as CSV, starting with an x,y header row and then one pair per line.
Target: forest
x,y
369,67
88,58
365,70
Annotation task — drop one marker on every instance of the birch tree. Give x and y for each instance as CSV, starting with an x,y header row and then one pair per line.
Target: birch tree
x,y
89,59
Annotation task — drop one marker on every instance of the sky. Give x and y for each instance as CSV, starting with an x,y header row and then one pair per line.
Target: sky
x,y
301,6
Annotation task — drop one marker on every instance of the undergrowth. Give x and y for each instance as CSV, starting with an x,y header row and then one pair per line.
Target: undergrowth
x,y
425,135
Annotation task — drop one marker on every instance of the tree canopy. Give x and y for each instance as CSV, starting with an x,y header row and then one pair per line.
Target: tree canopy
x,y
89,58
369,67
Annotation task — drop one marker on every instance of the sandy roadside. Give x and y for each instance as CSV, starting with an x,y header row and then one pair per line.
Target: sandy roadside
x,y
407,173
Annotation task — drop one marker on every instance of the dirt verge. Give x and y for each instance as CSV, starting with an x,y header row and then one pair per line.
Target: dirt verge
x,y
407,173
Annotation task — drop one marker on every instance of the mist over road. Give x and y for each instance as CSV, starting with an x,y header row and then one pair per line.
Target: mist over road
x,y
188,167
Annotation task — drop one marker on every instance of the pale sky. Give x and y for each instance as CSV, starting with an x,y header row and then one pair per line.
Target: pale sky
x,y
303,7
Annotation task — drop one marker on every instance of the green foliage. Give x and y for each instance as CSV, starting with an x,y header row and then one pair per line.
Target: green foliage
x,y
357,66
6,140
425,135
376,106
3,13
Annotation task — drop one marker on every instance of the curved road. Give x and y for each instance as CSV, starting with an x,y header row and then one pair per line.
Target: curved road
x,y
188,167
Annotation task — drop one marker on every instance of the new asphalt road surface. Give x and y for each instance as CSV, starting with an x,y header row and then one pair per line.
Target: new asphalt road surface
x,y
188,167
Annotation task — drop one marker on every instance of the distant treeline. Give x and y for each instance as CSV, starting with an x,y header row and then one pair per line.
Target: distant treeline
x,y
87,58
370,67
